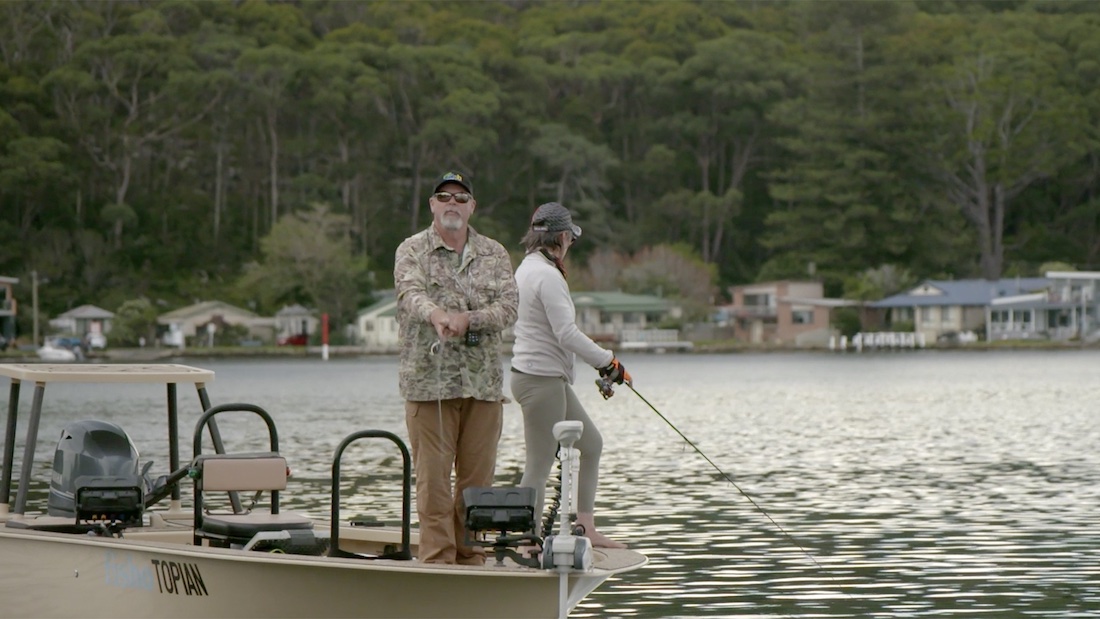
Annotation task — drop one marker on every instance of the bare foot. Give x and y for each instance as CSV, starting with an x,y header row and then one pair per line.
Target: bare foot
x,y
599,540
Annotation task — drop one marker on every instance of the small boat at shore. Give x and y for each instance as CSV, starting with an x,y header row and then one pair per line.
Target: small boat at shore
x,y
51,353
115,542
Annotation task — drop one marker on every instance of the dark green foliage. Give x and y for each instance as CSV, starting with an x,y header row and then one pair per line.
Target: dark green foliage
x,y
846,321
160,150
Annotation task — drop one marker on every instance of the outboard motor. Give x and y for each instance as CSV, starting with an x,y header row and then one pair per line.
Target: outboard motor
x,y
96,477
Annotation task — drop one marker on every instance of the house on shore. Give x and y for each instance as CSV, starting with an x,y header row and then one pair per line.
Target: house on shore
x,y
1065,309
1060,306
376,325
786,313
83,321
605,316
205,319
295,323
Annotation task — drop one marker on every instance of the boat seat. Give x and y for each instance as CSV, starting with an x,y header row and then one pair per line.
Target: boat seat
x,y
266,471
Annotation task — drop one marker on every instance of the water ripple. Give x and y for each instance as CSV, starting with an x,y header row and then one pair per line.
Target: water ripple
x,y
891,485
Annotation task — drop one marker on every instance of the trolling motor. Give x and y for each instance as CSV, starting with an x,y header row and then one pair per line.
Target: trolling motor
x,y
567,552
510,513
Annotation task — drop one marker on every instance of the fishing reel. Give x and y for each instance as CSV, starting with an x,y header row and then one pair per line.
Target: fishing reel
x,y
606,387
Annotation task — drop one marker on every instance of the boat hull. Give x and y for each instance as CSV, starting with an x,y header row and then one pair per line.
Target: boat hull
x,y
57,575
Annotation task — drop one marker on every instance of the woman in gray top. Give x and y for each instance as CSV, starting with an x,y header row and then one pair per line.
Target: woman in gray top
x,y
547,344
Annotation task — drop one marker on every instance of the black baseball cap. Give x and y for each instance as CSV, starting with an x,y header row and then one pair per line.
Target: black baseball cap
x,y
453,177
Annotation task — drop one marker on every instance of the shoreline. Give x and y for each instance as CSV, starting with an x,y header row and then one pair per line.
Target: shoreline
x,y
137,355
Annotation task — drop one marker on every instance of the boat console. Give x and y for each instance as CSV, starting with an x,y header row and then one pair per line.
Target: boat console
x,y
508,512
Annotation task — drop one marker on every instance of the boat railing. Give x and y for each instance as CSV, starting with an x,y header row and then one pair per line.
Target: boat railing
x,y
403,553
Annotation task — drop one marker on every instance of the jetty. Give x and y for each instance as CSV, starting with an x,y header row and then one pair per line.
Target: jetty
x,y
653,340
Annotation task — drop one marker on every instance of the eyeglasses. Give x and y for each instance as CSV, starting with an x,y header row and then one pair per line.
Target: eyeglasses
x,y
461,197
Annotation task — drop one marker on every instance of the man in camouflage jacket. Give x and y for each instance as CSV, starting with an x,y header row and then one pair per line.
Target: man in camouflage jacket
x,y
455,295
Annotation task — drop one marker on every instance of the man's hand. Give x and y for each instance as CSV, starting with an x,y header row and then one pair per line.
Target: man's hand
x,y
450,324
458,323
441,320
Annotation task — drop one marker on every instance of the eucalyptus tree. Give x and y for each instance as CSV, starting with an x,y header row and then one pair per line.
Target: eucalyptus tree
x,y
267,74
662,36
343,97
568,53
577,168
120,97
1000,120
31,171
1069,227
25,25
216,48
497,157
595,64
719,118
442,104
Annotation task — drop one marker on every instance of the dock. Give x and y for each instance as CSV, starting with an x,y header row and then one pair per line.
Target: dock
x,y
653,340
878,340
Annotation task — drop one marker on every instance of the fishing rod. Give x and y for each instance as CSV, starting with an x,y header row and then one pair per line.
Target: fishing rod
x,y
607,390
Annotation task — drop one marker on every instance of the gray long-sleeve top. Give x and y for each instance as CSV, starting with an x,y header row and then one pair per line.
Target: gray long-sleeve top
x,y
547,337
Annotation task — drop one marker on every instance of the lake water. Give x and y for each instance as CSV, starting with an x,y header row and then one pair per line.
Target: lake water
x,y
915,484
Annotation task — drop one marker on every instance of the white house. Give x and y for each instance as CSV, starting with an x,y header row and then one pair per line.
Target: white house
x,y
603,316
295,320
197,319
83,320
376,326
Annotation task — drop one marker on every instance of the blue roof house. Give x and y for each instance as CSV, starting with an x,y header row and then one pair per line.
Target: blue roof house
x,y
938,307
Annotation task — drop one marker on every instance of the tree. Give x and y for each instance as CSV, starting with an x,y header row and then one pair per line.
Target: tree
x,y
121,96
1000,121
135,319
843,199
720,115
308,258
267,74
873,284
29,169
578,169
673,271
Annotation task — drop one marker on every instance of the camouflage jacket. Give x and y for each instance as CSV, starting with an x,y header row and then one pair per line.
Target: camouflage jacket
x,y
427,276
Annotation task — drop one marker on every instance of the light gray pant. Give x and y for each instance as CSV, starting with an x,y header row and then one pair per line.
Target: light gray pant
x,y
546,400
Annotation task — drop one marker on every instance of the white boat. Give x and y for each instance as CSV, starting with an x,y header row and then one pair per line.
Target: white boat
x,y
56,354
106,547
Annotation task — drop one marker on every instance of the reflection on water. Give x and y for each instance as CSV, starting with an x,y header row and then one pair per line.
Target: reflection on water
x,y
894,485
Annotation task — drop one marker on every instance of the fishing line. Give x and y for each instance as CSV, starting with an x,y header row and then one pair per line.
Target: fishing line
x,y
733,483
435,351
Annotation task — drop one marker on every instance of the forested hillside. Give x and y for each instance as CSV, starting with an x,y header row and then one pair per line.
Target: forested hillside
x,y
272,152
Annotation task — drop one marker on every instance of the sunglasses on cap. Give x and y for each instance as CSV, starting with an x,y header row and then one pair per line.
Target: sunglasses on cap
x,y
461,197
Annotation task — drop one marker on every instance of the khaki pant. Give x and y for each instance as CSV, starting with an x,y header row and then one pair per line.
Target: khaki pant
x,y
458,435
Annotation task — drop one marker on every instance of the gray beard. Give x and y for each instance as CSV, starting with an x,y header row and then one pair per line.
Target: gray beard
x,y
452,223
